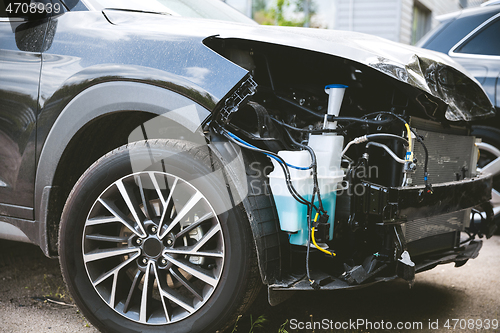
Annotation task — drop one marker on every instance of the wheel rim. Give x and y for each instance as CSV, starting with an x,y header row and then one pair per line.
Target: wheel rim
x,y
153,248
489,154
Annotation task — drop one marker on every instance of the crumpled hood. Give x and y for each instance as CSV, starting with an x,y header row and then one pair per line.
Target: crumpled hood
x,y
431,72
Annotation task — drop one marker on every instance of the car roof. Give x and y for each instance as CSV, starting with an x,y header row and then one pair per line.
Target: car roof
x,y
490,3
455,26
481,10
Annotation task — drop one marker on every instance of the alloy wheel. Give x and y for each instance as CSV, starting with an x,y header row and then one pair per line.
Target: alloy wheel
x,y
153,248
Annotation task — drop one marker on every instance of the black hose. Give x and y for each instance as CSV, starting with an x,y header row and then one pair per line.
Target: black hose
x,y
314,168
387,136
359,120
338,119
291,189
282,163
314,131
419,139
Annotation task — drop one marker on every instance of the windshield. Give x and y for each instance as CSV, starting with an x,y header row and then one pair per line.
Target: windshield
x,y
208,9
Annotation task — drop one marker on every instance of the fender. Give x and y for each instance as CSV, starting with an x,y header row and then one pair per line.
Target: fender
x,y
252,190
110,97
96,101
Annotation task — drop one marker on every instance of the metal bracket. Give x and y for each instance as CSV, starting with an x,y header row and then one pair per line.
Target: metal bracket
x,y
241,94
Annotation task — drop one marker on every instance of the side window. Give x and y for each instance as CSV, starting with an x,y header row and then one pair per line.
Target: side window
x,y
484,42
75,5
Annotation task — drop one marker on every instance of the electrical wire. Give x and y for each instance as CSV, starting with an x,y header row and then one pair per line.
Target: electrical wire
x,y
336,130
359,120
310,205
314,168
316,191
410,151
314,240
293,128
278,158
428,187
308,250
272,155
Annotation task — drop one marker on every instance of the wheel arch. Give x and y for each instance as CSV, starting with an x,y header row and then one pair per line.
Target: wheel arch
x,y
96,121
92,125
248,171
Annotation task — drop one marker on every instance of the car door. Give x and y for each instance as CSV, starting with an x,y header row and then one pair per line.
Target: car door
x,y
21,43
479,53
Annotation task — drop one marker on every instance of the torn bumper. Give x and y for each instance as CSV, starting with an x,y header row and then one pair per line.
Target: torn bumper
x,y
459,256
396,205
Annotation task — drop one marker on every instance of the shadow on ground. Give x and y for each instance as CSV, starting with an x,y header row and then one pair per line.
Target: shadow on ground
x,y
28,278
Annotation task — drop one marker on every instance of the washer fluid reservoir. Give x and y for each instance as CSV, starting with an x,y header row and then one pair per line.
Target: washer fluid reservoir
x,y
328,147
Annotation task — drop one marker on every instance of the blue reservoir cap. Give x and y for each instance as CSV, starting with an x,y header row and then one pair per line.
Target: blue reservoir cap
x,y
336,86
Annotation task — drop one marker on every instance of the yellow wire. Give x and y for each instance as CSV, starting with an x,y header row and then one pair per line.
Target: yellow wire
x,y
409,141
314,240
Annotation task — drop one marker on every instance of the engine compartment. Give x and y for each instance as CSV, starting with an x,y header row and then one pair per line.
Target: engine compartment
x,y
387,215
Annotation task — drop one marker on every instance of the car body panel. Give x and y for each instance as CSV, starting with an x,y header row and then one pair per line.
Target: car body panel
x,y
486,68
20,63
89,105
203,76
69,68
156,63
455,30
404,63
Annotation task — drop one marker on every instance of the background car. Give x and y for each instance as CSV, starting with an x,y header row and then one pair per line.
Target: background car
x,y
471,37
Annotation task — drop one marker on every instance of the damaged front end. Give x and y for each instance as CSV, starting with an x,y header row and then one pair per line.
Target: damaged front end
x,y
371,164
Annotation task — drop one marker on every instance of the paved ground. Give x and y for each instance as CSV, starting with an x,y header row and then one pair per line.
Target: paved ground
x,y
29,283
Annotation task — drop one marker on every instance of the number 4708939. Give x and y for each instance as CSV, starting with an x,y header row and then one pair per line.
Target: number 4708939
x,y
32,8
464,324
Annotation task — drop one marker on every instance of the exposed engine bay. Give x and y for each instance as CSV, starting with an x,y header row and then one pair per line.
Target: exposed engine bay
x,y
373,178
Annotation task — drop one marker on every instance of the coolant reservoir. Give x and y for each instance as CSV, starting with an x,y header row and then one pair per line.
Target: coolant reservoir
x,y
328,148
292,214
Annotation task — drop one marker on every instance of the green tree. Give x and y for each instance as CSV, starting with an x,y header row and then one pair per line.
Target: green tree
x,y
275,15
259,5
308,7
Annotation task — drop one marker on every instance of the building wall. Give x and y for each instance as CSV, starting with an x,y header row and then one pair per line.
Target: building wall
x,y
436,8
377,17
391,19
406,21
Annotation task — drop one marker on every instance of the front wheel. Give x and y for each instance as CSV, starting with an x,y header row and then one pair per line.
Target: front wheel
x,y
149,242
490,152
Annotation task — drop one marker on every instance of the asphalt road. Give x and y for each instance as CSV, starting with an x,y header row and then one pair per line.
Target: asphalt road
x,y
30,284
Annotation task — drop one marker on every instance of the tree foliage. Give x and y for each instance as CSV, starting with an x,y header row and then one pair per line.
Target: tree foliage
x,y
275,14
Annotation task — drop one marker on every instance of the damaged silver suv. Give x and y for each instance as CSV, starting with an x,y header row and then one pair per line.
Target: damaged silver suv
x,y
177,163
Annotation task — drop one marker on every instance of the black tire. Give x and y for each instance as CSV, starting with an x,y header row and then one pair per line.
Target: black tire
x,y
491,136
231,281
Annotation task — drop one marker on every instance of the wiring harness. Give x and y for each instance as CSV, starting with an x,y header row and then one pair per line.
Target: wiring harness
x,y
320,215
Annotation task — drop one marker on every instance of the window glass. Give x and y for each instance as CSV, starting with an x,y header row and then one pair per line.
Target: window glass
x,y
421,23
486,41
209,9
75,5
